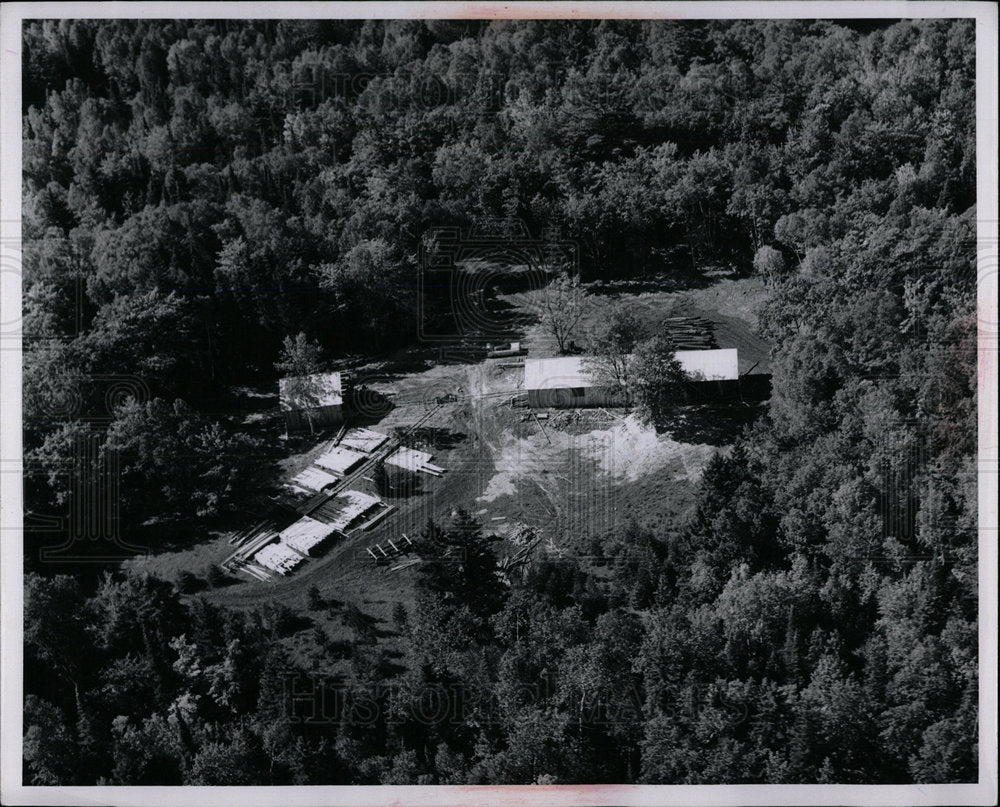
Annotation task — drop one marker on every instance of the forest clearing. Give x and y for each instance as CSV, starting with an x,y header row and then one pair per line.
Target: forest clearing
x,y
574,475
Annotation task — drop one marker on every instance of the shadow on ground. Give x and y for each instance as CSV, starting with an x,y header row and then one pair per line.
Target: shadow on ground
x,y
717,425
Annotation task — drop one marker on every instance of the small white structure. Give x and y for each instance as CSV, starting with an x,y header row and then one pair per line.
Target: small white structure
x,y
364,440
305,534
413,460
314,400
339,460
279,558
502,352
312,480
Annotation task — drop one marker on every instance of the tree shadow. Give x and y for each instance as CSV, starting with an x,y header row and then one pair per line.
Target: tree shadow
x,y
510,317
223,580
470,312
389,669
678,279
715,424
283,621
329,604
367,406
339,649
402,484
429,438
188,582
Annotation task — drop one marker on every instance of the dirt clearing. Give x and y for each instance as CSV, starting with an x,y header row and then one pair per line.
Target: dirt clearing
x,y
569,475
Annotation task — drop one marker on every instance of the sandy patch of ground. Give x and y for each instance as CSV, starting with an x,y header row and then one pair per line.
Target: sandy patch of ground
x,y
631,450
585,482
627,451
502,484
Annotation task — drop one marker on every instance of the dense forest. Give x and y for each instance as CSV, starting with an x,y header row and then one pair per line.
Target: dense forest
x,y
195,192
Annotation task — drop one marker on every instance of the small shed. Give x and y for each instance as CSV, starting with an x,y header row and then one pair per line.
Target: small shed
x,y
308,401
413,460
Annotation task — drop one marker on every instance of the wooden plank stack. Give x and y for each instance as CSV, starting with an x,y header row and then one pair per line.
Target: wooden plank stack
x,y
690,333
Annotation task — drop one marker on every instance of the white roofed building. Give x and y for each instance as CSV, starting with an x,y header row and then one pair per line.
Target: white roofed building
x,y
569,381
308,401
710,365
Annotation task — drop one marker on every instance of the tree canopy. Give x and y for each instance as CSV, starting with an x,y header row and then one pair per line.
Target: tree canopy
x,y
206,202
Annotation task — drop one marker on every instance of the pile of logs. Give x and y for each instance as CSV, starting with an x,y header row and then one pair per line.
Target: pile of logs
x,y
690,333
521,556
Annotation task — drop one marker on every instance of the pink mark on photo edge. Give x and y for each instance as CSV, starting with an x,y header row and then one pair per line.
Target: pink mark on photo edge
x,y
545,11
987,336
986,353
549,794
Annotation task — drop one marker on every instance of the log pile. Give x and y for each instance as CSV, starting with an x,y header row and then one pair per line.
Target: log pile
x,y
690,333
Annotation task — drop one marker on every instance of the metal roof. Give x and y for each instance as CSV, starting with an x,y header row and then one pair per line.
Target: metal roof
x,y
558,373
722,364
564,372
278,557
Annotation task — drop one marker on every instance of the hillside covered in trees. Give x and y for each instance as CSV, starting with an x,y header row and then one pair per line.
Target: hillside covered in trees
x,y
197,191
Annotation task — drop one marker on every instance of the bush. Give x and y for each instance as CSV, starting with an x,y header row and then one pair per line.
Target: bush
x,y
769,264
400,618
189,583
216,576
360,623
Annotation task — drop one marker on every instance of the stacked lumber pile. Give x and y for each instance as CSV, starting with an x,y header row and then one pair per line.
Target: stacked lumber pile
x,y
690,333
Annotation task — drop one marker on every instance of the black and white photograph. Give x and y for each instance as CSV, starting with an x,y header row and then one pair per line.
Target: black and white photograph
x,y
573,403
